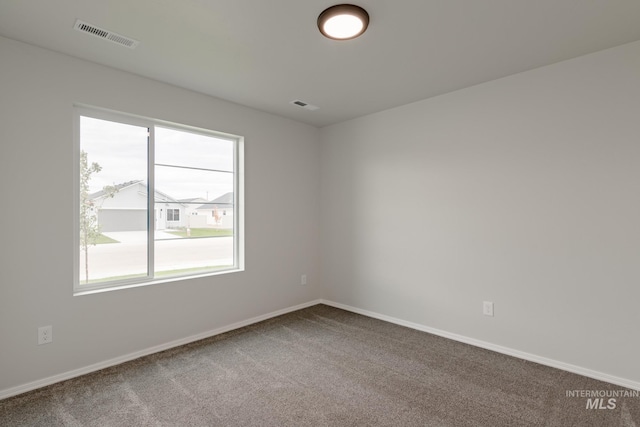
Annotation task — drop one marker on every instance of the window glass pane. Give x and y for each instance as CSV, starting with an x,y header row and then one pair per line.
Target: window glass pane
x,y
181,148
180,255
194,184
113,201
179,184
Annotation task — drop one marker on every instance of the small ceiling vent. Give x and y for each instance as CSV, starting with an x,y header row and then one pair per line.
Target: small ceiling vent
x,y
303,104
105,34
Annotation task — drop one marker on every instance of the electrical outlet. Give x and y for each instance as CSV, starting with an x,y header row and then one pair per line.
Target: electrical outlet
x,y
487,308
303,279
45,334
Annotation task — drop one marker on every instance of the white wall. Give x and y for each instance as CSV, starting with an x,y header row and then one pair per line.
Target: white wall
x,y
524,191
37,91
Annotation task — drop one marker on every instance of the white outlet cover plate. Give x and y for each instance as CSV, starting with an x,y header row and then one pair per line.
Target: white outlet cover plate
x,y
487,308
45,334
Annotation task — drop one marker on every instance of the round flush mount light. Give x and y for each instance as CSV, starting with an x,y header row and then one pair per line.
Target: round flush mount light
x,y
343,21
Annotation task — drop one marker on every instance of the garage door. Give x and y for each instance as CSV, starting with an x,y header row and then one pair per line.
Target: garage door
x,y
123,219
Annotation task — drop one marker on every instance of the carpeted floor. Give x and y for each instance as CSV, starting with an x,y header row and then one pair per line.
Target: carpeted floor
x,y
321,366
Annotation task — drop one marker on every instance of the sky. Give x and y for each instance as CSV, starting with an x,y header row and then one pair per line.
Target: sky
x,y
121,150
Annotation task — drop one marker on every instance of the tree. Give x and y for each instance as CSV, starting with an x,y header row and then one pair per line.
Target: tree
x,y
89,225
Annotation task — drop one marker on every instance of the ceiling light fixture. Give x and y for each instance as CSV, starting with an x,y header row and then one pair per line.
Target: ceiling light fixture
x,y
343,22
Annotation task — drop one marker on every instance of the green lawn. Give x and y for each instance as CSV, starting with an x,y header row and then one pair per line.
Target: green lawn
x,y
203,232
102,239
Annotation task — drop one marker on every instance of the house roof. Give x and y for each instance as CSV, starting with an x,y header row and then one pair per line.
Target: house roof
x,y
165,196
224,201
192,200
118,187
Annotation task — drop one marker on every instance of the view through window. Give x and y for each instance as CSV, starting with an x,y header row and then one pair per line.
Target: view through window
x,y
151,201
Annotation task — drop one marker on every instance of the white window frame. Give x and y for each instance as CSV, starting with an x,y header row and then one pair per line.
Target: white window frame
x,y
238,194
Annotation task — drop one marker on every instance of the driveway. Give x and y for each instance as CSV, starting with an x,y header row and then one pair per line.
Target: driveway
x,y
138,236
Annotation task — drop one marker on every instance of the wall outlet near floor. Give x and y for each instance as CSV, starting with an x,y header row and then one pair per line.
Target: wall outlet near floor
x,y
487,308
303,279
45,334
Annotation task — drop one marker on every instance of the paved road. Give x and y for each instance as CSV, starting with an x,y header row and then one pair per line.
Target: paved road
x,y
130,255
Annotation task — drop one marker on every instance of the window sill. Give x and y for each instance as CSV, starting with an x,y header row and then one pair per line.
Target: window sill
x,y
118,287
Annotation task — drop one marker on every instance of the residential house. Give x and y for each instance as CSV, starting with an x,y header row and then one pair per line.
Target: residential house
x,y
218,212
126,209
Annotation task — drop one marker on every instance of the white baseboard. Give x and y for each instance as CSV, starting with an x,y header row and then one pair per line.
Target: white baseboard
x,y
131,356
478,343
497,348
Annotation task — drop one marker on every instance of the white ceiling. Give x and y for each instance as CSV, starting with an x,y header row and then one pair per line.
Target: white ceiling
x,y
266,53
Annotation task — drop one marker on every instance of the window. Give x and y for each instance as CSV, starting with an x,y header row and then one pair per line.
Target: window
x,y
144,192
173,214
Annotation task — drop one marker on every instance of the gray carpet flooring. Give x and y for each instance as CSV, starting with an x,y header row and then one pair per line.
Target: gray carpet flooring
x,y
321,366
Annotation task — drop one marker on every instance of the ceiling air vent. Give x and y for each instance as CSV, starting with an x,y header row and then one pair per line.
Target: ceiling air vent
x,y
304,105
105,34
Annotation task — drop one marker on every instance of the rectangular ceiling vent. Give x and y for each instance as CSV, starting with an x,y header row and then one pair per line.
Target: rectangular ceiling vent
x,y
105,34
304,105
